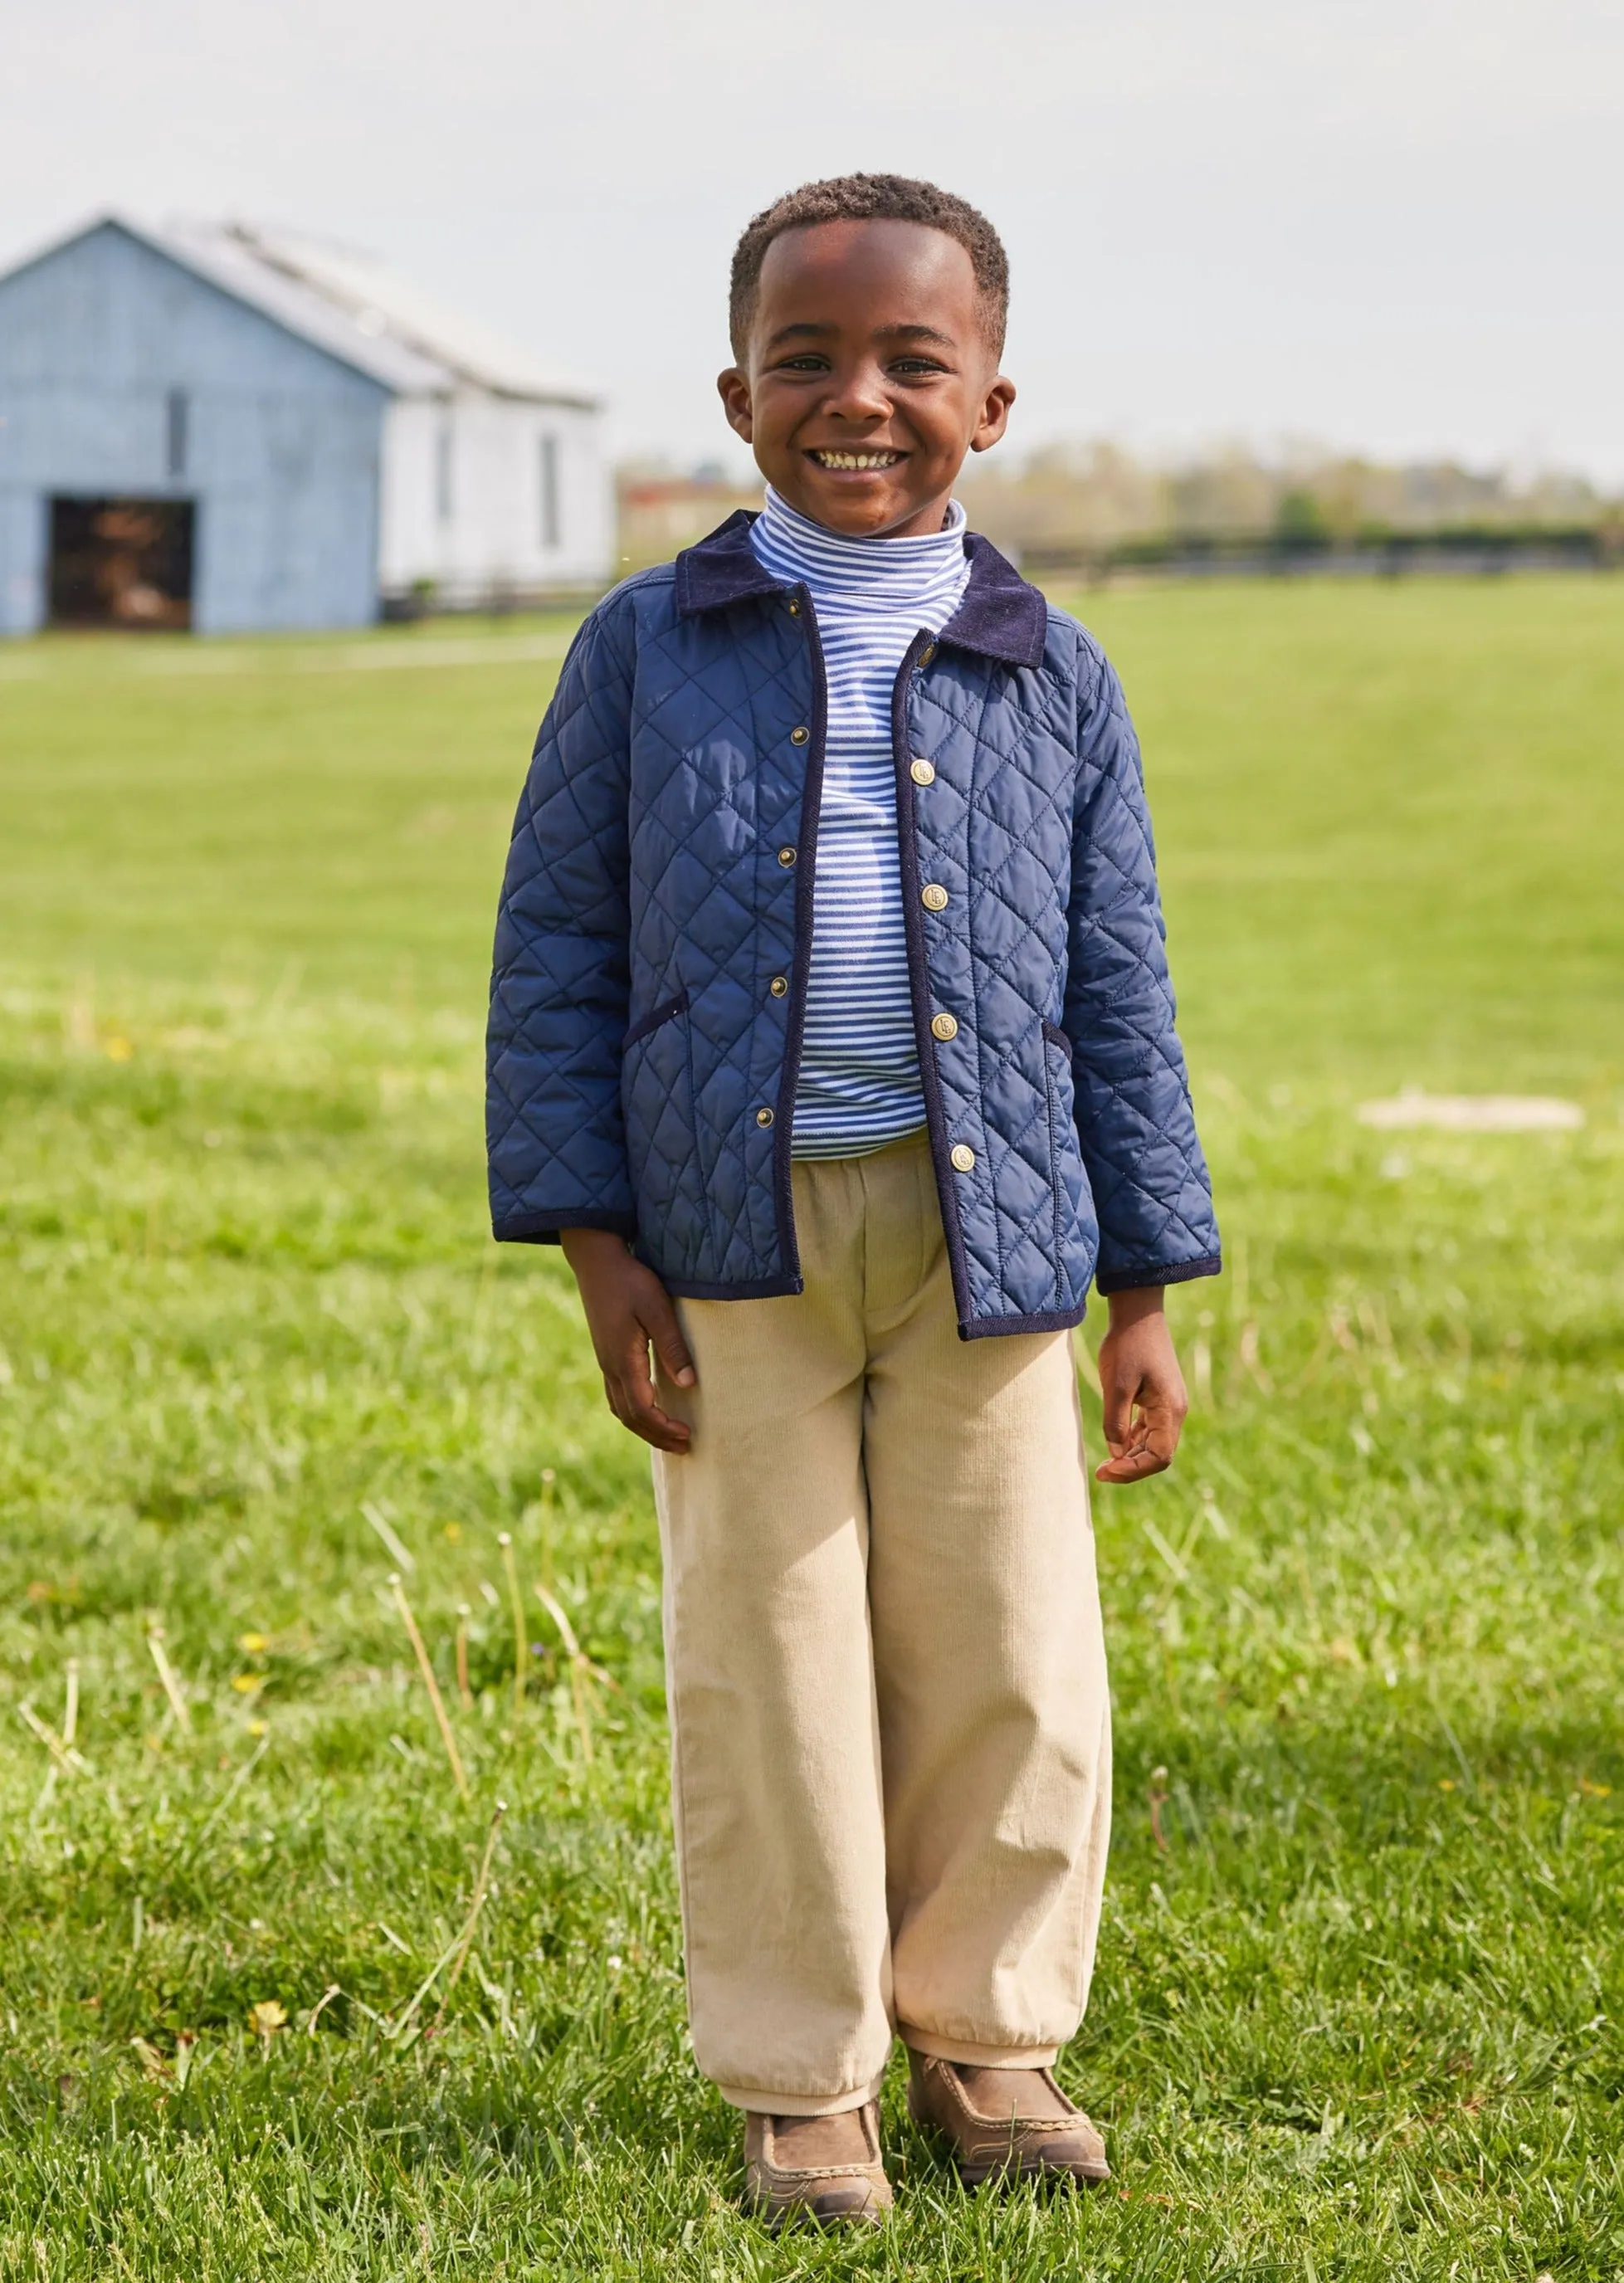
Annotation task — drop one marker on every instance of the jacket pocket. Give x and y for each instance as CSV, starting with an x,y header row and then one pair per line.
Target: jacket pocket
x,y
665,1012
657,1094
1065,1158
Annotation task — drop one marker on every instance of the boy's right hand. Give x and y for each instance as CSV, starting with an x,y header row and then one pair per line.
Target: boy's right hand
x,y
627,1307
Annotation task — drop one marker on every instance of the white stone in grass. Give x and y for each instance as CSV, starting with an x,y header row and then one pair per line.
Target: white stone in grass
x,y
1473,1113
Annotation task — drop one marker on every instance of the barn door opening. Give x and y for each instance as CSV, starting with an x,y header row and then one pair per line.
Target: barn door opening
x,y
122,562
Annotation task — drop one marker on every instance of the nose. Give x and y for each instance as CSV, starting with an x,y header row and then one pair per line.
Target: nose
x,y
858,394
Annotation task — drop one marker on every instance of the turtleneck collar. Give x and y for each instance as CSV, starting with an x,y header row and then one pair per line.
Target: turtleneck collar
x,y
902,570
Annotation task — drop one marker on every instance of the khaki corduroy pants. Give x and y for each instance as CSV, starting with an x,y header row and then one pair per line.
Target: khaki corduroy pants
x,y
886,1674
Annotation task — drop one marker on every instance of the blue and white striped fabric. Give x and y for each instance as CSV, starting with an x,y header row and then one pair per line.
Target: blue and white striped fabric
x,y
859,1084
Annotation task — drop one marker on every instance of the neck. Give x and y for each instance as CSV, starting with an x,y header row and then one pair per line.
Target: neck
x,y
943,521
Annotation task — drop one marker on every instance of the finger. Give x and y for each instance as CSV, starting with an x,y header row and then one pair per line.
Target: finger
x,y
643,1413
1118,1405
660,1323
1132,1465
642,1416
1148,1448
1160,1430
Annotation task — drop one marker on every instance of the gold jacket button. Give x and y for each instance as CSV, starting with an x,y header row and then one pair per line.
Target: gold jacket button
x,y
962,1157
928,653
763,1118
942,1026
795,609
921,772
799,737
778,986
786,857
933,895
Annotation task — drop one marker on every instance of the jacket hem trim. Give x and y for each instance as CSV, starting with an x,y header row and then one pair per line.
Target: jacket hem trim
x,y
547,1227
761,1288
1155,1272
1049,1319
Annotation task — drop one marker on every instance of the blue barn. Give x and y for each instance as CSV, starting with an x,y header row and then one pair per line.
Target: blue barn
x,y
215,429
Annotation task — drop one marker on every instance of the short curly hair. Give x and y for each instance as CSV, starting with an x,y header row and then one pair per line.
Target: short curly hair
x,y
871,198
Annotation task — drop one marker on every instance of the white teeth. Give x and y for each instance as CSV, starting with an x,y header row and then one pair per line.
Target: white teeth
x,y
857,459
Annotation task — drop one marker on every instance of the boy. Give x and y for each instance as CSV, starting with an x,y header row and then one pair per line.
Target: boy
x,y
831,1035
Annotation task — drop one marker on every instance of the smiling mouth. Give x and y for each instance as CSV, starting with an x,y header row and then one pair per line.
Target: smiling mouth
x,y
856,461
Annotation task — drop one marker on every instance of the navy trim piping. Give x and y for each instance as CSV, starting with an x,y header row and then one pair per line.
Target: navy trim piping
x,y
800,965
919,980
666,1012
994,1327
763,1288
547,1225
1159,1272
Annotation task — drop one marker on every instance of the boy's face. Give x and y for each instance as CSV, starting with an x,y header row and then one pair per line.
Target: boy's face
x,y
867,375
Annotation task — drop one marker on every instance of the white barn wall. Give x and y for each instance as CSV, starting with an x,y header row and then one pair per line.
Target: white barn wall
x,y
309,432
493,542
282,440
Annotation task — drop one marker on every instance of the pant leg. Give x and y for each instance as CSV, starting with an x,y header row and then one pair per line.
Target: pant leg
x,y
989,1657
763,1529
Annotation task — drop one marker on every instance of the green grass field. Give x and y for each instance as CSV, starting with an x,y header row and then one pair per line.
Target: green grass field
x,y
1357,2011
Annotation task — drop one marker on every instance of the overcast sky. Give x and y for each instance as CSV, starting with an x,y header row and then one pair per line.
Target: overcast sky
x,y
1386,225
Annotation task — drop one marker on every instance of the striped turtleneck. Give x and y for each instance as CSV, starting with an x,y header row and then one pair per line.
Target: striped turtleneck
x,y
859,1081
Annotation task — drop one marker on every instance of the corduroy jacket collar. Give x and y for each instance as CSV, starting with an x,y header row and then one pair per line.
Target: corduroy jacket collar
x,y
1001,616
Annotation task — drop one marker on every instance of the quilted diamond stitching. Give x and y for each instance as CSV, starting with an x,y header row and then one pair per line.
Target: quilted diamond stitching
x,y
636,870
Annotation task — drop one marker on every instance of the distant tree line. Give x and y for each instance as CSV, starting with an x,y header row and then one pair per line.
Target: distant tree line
x,y
1096,501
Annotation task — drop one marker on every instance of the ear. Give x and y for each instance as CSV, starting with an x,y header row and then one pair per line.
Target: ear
x,y
733,389
994,415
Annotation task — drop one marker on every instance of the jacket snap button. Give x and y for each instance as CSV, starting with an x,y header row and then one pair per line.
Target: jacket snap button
x,y
786,857
763,1118
794,609
933,896
778,986
928,653
963,1158
921,772
942,1026
799,737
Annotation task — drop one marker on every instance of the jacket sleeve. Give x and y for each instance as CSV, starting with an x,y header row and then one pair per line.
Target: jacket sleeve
x,y
1135,1122
555,1136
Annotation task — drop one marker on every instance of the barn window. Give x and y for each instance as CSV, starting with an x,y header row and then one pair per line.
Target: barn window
x,y
549,464
175,421
444,472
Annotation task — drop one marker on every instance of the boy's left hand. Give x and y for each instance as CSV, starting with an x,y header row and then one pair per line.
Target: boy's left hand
x,y
1143,1388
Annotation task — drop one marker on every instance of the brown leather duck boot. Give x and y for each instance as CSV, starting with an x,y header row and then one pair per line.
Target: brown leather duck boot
x,y
1011,2123
828,2167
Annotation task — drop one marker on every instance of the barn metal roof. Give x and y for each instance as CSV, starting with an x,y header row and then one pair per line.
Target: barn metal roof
x,y
350,306
386,307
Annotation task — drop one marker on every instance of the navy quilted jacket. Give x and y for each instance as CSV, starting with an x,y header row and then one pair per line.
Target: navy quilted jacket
x,y
655,925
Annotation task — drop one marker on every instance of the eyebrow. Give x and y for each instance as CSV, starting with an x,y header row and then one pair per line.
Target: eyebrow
x,y
806,330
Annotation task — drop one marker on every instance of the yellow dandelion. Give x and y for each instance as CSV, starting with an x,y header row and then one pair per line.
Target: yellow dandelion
x,y
253,1644
256,1727
1446,1783
454,1531
247,1684
267,2017
117,1050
